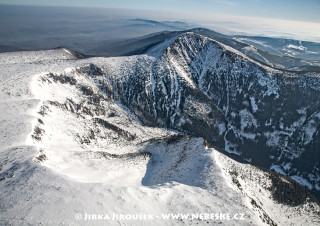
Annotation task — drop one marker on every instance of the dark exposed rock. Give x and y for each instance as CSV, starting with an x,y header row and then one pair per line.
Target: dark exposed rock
x,y
127,135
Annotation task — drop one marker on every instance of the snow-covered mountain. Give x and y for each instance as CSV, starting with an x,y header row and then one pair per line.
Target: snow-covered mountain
x,y
268,117
144,134
285,54
284,47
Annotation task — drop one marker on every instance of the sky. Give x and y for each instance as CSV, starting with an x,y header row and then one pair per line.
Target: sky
x,y
299,10
298,19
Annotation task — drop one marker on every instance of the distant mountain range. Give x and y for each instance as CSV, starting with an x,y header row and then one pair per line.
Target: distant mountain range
x,y
112,32
279,53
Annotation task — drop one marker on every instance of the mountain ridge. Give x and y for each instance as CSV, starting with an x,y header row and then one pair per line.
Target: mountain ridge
x,y
127,130
186,64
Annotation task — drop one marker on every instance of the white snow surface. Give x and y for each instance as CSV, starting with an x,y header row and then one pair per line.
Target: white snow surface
x,y
69,171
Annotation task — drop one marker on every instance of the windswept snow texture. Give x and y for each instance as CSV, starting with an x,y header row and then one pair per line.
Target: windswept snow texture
x,y
76,137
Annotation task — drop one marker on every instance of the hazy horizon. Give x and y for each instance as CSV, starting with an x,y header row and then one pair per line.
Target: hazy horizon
x,y
307,10
94,30
226,24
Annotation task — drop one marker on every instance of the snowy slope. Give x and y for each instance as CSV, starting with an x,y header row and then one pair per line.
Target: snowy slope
x,y
69,145
85,178
259,186
203,87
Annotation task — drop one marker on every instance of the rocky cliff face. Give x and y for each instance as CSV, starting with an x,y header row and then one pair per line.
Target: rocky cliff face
x,y
196,85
